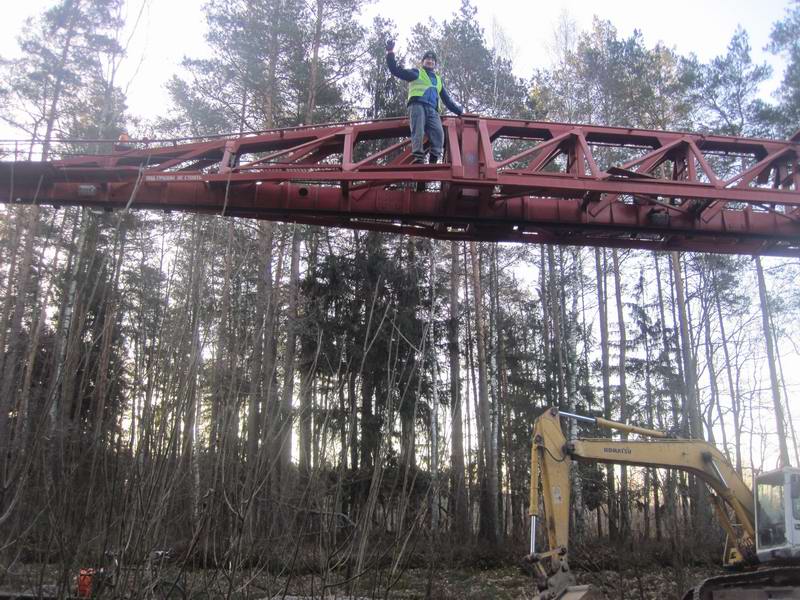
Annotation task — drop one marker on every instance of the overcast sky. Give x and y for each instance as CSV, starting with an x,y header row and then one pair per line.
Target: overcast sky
x,y
172,29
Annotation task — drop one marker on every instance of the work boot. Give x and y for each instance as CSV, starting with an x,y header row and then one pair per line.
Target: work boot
x,y
432,160
418,160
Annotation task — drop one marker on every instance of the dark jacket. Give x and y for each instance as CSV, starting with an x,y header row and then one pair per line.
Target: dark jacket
x,y
411,75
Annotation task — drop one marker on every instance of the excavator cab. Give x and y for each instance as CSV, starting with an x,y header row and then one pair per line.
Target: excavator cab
x,y
777,499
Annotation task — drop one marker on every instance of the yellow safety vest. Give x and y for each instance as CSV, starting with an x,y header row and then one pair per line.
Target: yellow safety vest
x,y
418,87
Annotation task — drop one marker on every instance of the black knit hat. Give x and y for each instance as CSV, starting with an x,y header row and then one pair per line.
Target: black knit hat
x,y
430,54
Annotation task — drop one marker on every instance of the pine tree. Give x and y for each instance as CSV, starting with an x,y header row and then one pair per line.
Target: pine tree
x,y
785,40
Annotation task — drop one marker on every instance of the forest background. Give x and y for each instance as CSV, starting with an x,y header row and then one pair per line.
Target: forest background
x,y
277,400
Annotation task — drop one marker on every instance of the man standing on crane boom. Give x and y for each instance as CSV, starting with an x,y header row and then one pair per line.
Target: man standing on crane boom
x,y
426,95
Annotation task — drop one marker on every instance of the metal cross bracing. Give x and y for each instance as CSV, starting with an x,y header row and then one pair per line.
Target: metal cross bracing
x,y
501,180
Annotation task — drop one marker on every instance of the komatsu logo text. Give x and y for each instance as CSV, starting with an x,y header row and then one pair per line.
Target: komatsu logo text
x,y
617,450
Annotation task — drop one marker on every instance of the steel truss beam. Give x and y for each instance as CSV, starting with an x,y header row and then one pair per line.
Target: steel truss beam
x,y
502,180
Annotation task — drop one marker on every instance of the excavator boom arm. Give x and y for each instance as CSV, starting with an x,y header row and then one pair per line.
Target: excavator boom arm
x,y
552,456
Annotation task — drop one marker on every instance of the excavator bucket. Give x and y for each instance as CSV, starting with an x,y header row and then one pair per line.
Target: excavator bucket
x,y
573,592
582,592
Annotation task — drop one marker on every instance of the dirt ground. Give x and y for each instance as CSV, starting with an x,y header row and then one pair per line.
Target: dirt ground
x,y
446,584
512,584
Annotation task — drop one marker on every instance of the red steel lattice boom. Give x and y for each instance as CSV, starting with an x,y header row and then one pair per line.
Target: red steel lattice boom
x,y
502,180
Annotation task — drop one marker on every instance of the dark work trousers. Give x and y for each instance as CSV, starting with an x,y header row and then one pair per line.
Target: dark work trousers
x,y
424,119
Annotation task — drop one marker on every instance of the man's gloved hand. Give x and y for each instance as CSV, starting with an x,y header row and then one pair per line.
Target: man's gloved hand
x,y
390,45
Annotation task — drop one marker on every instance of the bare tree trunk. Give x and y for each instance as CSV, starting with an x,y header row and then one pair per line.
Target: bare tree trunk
x,y
652,480
17,234
489,480
435,502
665,344
15,344
109,322
189,451
670,491
602,307
270,412
264,245
503,410
23,424
219,378
789,418
70,306
555,301
471,384
715,403
544,294
289,358
571,365
691,409
309,350
732,389
699,508
505,405
785,460
625,521
458,509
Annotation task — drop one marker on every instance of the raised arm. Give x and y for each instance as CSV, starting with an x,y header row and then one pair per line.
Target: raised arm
x,y
394,68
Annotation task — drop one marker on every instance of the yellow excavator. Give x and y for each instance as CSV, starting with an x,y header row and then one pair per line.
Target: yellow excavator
x,y
763,528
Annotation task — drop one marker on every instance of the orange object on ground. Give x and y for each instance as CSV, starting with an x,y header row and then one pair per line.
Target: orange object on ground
x,y
85,583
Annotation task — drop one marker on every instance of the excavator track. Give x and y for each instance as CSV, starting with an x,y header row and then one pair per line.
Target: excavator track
x,y
778,583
